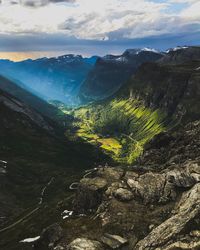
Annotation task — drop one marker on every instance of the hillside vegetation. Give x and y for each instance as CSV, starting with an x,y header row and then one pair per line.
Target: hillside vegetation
x,y
120,127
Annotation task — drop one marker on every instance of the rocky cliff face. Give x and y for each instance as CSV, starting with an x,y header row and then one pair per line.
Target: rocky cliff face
x,y
181,55
110,72
152,205
174,89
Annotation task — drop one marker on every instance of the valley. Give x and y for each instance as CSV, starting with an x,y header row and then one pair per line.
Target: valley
x,y
50,78
130,149
120,127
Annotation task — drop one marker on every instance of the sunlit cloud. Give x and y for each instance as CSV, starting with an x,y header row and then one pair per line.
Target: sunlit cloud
x,y
98,20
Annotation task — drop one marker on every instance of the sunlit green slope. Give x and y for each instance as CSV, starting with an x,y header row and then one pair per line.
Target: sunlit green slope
x,y
120,127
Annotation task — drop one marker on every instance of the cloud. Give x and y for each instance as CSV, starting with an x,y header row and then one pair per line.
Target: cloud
x,y
57,42
112,20
192,12
35,3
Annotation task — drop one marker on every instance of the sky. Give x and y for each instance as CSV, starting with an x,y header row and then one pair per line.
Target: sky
x,y
36,28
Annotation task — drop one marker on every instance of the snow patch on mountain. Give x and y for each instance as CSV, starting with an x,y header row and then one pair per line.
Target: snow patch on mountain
x,y
177,48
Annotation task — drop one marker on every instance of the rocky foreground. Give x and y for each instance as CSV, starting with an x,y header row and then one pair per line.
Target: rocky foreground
x,y
152,205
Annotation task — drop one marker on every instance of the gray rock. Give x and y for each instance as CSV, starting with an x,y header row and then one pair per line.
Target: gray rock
x,y
182,246
110,174
89,194
132,242
94,184
181,179
195,233
113,241
161,187
123,194
85,244
113,187
186,210
148,186
131,175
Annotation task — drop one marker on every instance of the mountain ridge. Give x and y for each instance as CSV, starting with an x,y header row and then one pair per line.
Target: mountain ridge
x,y
145,197
110,72
55,78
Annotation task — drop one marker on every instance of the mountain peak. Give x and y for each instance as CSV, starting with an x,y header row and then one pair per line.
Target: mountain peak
x,y
177,48
139,50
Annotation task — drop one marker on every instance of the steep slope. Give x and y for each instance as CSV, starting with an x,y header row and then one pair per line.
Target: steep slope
x,y
149,206
154,203
110,72
180,55
54,78
174,89
27,97
120,127
156,98
33,161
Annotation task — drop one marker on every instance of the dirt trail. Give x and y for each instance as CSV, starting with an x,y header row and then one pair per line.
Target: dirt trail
x,y
41,199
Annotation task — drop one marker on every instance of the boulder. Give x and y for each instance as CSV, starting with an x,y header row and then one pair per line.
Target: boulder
x,y
195,233
110,174
149,187
89,194
186,210
113,241
162,187
113,187
94,184
85,244
182,246
181,179
131,175
123,194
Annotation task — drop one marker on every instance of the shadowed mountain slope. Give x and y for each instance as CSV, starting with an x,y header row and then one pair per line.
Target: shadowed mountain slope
x,y
175,89
33,154
56,78
110,72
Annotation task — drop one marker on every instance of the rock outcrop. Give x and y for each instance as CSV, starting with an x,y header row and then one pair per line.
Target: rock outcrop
x,y
173,89
113,241
172,148
84,244
89,194
148,206
186,209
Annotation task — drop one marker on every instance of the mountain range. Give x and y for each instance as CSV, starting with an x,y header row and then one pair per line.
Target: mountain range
x,y
119,169
51,78
73,79
110,72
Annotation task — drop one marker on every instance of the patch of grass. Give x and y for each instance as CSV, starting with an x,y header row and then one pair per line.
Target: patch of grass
x,y
120,127
111,144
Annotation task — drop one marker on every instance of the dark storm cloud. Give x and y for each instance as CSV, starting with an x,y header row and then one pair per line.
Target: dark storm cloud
x,y
56,42
37,3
